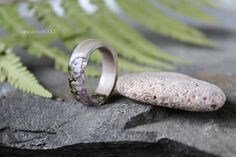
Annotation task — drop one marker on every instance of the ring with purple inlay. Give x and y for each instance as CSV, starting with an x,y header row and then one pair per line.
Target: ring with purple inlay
x,y
76,72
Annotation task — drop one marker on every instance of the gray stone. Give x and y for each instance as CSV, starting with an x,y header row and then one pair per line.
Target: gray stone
x,y
162,148
173,90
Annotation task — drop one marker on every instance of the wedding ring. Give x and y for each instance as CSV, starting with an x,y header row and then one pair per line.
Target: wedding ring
x,y
76,74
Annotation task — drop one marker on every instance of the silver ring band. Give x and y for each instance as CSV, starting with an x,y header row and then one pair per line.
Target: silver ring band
x,y
76,74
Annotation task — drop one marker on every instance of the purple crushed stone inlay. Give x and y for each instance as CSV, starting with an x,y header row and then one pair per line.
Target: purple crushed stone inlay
x,y
78,72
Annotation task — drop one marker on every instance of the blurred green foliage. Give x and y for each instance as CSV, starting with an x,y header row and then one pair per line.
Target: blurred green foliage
x,y
135,52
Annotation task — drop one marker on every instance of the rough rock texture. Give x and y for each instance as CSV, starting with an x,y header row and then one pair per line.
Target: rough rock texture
x,y
32,122
173,90
163,148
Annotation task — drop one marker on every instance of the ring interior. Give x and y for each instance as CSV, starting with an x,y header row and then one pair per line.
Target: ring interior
x,y
108,77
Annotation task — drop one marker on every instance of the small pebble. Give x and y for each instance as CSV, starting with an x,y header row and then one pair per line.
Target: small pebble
x,y
173,90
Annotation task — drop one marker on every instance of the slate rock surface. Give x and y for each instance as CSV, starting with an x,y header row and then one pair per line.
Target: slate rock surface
x,y
163,148
173,90
31,122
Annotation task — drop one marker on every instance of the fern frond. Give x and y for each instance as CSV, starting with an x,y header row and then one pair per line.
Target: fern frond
x,y
162,24
15,27
134,38
187,7
119,44
91,71
18,76
44,13
18,30
208,3
135,52
7,12
60,58
73,42
124,65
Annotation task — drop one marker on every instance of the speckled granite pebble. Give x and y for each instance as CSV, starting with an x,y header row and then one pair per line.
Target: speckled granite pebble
x,y
171,90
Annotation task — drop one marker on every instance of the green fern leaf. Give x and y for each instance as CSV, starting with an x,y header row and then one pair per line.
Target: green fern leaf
x,y
18,76
134,39
60,58
135,52
187,7
45,14
120,45
124,65
208,3
92,72
18,30
164,25
15,27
